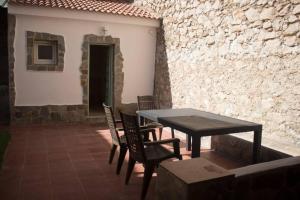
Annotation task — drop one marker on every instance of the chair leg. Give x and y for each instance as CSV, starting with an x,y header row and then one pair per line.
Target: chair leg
x,y
176,146
153,135
160,133
188,142
131,164
180,157
172,131
112,153
123,150
146,137
149,168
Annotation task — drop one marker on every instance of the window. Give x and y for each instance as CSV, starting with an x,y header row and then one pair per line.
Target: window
x,y
45,52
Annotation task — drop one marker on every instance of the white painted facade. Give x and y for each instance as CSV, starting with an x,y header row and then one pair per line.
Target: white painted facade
x,y
37,88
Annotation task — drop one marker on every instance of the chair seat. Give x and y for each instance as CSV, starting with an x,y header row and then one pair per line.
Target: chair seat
x,y
154,125
157,153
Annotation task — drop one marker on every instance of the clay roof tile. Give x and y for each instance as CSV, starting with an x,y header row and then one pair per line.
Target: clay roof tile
x,y
102,6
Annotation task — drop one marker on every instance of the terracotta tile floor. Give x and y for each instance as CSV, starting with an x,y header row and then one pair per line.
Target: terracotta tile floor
x,y
70,162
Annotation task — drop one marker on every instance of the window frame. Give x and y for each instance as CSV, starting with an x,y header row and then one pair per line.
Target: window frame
x,y
52,61
55,64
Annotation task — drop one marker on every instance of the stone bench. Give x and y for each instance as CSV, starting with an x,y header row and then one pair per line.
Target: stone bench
x,y
279,179
200,179
191,179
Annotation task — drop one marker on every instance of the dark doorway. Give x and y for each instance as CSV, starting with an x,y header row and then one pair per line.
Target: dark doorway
x,y
100,78
4,73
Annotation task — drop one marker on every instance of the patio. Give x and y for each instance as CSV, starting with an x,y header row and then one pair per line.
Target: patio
x,y
63,161
238,59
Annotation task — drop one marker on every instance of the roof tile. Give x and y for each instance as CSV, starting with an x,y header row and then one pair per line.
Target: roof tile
x,y
102,6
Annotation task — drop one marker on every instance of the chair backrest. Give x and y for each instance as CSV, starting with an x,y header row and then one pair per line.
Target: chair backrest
x,y
133,137
111,124
146,103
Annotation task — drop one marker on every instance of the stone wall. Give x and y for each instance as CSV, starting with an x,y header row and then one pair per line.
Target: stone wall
x,y
162,87
235,57
11,63
49,113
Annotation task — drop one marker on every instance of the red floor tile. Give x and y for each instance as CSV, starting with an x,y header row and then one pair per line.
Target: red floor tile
x,y
62,162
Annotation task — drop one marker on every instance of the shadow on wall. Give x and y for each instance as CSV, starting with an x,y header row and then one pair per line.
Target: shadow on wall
x,y
162,84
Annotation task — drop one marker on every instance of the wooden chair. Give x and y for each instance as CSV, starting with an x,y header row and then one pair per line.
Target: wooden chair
x,y
118,140
148,153
148,103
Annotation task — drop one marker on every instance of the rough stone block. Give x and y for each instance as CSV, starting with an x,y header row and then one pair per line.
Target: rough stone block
x,y
55,116
296,10
292,29
267,13
290,41
252,15
191,179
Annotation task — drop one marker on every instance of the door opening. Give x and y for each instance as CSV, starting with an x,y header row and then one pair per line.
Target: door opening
x,y
100,78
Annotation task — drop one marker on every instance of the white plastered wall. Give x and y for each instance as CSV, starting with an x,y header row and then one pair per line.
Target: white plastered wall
x,y
37,88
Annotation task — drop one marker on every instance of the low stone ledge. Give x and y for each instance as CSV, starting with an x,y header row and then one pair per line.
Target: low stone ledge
x,y
192,179
61,113
240,148
277,179
200,179
49,113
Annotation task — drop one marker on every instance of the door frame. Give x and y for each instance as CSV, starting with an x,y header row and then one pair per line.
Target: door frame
x,y
111,48
118,74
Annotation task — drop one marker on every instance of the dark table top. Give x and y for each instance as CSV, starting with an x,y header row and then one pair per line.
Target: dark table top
x,y
190,120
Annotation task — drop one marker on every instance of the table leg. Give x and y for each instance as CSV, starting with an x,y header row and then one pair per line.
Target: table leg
x,y
188,142
196,146
256,146
139,120
173,133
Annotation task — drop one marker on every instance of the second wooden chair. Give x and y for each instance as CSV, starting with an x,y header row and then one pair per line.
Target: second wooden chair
x,y
117,140
147,102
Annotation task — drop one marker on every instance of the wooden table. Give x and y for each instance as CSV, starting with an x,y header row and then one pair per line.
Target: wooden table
x,y
196,124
